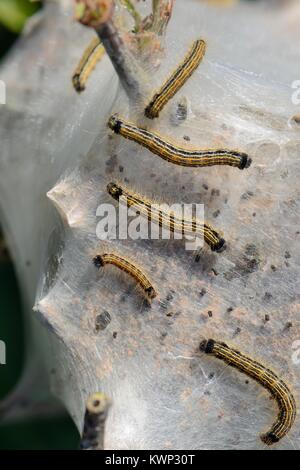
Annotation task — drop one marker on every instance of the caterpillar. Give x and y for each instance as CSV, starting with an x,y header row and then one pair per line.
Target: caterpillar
x,y
177,79
128,267
175,154
167,219
267,378
97,407
91,56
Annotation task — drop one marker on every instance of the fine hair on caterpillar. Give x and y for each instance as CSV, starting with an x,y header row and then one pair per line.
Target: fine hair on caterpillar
x,y
268,379
176,81
91,56
173,153
164,216
127,266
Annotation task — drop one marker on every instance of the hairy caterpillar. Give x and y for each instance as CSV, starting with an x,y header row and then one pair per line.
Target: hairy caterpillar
x,y
267,378
91,56
177,79
126,266
175,154
97,407
168,219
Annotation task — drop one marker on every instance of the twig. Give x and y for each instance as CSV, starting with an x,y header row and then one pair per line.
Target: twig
x,y
97,407
161,11
134,13
98,14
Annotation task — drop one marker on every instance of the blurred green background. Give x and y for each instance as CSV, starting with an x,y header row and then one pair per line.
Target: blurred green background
x,y
54,433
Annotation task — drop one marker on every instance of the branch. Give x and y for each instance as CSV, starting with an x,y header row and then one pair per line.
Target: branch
x,y
98,14
97,407
161,11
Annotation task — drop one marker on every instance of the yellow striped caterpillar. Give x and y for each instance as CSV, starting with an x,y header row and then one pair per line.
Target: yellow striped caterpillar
x,y
178,155
267,378
129,268
168,219
177,79
91,56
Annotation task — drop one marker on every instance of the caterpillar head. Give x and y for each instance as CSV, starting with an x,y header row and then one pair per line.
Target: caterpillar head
x,y
207,346
114,190
98,262
269,438
150,291
114,123
220,246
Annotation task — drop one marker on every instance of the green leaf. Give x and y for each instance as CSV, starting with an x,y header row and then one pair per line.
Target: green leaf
x,y
14,13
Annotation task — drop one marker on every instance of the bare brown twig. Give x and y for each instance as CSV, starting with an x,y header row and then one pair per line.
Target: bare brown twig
x,y
98,14
97,407
161,11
